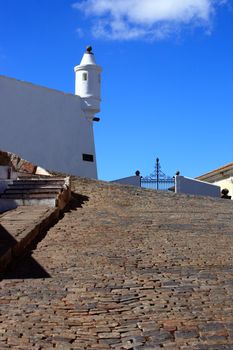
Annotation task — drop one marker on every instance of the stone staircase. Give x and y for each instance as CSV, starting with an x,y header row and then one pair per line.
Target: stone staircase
x,y
34,190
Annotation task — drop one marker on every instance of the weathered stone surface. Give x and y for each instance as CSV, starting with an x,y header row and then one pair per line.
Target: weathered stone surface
x,y
19,227
16,162
127,269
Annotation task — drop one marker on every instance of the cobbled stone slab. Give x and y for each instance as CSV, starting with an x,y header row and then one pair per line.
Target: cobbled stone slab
x,y
126,268
19,227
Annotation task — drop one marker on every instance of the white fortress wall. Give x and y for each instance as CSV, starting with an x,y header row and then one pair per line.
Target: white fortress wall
x,y
47,127
226,183
131,180
195,187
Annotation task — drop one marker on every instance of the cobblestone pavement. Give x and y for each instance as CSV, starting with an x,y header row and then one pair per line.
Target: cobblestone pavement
x,y
131,269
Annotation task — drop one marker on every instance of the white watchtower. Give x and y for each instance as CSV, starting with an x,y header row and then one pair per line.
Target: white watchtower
x,y
87,82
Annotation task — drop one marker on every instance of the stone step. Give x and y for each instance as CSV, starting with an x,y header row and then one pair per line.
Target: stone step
x,y
39,178
31,186
32,190
51,192
36,182
33,195
7,204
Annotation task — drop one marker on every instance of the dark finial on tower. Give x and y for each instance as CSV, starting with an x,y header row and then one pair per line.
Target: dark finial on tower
x,y
89,50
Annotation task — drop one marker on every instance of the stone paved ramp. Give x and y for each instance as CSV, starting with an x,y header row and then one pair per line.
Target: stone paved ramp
x,y
19,227
131,269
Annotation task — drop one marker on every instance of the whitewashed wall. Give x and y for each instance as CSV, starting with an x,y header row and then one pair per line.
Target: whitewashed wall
x,y
131,180
46,127
191,186
4,172
226,183
3,186
7,173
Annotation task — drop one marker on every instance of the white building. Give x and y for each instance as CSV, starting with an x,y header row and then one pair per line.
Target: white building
x,y
222,177
196,187
52,128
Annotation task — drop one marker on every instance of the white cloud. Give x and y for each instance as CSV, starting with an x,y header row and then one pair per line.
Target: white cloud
x,y
79,32
132,19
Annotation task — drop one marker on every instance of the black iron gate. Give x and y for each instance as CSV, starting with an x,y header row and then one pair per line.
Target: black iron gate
x,y
157,180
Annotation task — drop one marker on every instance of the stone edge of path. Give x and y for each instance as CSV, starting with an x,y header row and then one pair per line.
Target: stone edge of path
x,y
31,233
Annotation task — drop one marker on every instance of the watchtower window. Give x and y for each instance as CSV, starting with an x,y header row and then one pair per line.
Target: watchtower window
x,y
84,76
88,157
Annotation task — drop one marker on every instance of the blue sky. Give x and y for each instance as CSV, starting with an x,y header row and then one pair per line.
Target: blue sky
x,y
167,82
